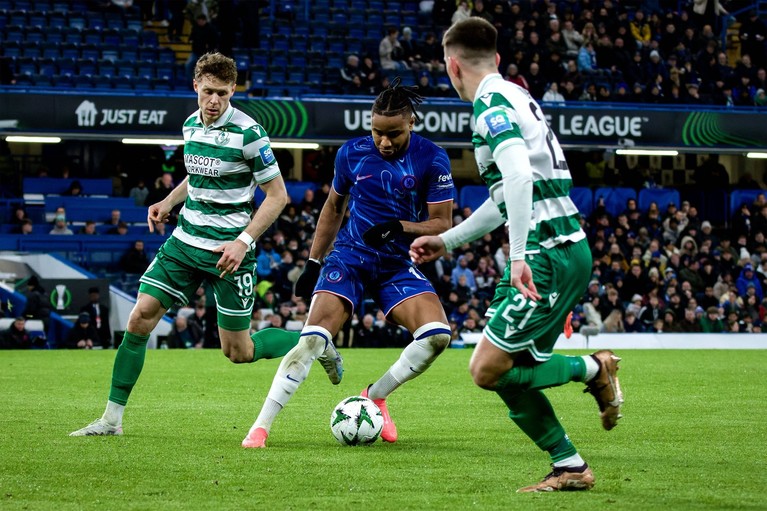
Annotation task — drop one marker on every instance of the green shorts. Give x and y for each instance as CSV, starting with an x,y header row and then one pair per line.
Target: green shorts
x,y
179,269
561,275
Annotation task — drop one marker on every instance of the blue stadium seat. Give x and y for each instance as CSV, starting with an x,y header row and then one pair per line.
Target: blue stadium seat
x,y
54,35
57,19
146,69
615,198
41,80
67,66
63,81
47,66
58,186
87,67
103,81
26,65
472,196
83,81
37,19
31,50
660,196
583,199
142,83
34,34
72,35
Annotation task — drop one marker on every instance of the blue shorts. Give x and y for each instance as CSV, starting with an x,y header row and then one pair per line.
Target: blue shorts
x,y
350,271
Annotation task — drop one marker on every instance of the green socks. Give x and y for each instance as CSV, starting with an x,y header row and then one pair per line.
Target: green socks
x,y
127,367
558,370
129,361
520,388
273,343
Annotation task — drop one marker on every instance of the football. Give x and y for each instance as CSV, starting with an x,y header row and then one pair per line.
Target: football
x,y
356,421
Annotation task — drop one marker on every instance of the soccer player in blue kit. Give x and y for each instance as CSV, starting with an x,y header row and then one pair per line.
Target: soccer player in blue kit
x,y
397,186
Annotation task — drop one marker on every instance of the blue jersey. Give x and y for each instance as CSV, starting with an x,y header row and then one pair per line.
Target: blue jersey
x,y
382,189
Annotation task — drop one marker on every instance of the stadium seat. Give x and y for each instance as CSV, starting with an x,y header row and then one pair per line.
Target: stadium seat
x,y
583,199
614,198
660,196
472,196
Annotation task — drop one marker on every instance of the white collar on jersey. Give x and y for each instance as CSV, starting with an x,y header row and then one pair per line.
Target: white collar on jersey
x,y
483,84
225,118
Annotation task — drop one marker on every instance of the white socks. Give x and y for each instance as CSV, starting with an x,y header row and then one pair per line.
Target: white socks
x,y
592,368
573,461
430,340
113,415
292,372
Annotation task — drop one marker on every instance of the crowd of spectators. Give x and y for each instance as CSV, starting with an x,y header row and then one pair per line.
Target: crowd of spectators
x,y
664,269
648,52
661,270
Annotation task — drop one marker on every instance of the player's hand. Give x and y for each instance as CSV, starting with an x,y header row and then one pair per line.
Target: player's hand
x,y
158,213
308,280
522,279
381,233
426,248
232,254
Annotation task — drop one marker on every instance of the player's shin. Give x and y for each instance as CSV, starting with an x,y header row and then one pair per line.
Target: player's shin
x,y
128,364
273,343
430,340
293,370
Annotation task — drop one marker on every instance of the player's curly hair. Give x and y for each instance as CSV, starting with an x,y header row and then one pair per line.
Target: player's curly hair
x,y
217,65
398,99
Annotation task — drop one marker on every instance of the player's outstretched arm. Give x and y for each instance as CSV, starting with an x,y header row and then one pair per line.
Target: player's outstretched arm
x,y
160,211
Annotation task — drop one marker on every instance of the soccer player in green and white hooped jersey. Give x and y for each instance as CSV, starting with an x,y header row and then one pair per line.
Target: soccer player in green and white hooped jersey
x,y
524,168
227,154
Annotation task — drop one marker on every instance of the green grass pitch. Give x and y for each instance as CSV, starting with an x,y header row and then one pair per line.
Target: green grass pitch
x,y
692,437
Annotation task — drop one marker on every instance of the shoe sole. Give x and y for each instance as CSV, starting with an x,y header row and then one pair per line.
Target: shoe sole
x,y
610,409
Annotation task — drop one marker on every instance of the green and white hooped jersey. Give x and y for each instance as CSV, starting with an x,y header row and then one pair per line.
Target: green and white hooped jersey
x,y
225,162
506,114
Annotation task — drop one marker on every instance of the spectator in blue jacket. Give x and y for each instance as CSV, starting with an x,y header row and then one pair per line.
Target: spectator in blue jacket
x,y
746,278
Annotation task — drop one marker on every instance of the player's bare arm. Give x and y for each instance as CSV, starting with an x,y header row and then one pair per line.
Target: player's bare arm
x,y
328,224
160,211
440,220
233,252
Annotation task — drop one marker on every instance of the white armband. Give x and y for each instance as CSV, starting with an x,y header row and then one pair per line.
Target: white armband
x,y
247,239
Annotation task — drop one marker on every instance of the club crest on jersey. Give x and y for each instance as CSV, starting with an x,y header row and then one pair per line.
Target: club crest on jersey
x,y
222,138
335,276
409,182
497,123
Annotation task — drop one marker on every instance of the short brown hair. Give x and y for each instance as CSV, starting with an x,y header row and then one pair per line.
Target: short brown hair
x,y
474,38
216,65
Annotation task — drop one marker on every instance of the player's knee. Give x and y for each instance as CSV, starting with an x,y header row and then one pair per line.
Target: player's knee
x,y
309,347
481,376
433,337
439,342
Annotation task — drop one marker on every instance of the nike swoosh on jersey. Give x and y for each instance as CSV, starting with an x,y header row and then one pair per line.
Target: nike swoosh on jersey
x,y
362,178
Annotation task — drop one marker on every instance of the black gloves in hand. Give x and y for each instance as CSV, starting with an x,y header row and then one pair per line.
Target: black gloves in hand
x,y
379,234
308,279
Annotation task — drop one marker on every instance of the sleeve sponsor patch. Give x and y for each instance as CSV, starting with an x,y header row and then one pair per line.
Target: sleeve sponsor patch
x,y
497,123
267,155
